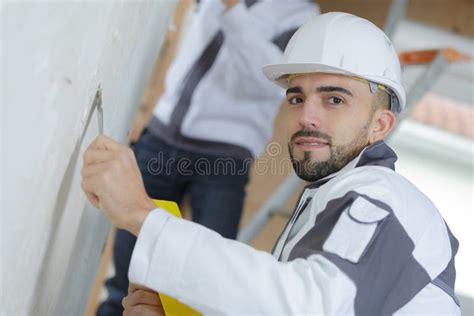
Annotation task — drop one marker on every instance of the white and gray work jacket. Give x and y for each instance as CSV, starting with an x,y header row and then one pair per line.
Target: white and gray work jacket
x,y
362,241
216,99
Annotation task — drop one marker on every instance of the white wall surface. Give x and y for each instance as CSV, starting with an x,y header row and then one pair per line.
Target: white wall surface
x,y
54,56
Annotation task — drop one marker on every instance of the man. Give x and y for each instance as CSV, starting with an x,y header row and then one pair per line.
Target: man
x,y
215,115
362,239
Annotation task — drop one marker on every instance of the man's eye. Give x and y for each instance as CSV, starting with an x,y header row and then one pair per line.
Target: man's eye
x,y
295,100
335,100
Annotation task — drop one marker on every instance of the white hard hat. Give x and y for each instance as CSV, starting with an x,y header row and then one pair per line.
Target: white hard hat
x,y
344,44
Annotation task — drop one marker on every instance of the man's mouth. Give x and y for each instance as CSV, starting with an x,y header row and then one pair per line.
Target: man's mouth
x,y
310,143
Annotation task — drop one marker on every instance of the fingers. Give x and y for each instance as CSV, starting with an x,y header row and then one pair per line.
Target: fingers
x,y
104,149
95,155
132,287
133,135
104,142
142,297
104,171
143,310
93,199
92,169
142,301
112,182
89,187
96,182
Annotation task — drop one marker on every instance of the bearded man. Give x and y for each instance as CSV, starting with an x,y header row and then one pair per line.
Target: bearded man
x,y
362,239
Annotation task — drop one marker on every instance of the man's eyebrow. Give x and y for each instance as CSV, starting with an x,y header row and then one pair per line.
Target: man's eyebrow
x,y
294,90
334,88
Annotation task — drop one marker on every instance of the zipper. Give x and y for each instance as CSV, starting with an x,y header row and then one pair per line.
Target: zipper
x,y
288,223
293,221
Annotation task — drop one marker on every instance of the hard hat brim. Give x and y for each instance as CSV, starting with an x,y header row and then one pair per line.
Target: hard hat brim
x,y
278,73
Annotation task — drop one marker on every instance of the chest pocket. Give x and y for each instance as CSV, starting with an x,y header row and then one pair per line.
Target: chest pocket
x,y
355,230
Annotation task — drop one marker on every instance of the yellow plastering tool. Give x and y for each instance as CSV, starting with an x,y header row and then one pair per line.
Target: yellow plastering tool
x,y
172,306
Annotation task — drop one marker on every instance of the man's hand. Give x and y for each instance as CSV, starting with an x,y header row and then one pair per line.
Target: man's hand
x,y
133,135
142,301
112,182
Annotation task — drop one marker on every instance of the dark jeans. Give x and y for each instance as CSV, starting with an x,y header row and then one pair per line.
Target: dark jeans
x,y
216,189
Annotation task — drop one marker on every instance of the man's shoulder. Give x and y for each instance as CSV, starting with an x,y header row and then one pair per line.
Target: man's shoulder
x,y
376,180
382,186
385,189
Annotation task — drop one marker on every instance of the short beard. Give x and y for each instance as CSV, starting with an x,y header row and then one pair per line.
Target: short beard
x,y
312,170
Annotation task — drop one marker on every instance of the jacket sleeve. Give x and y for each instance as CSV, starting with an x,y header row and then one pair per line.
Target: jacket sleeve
x,y
216,275
250,44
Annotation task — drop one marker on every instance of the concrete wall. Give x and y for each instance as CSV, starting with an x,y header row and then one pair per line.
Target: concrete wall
x,y
54,57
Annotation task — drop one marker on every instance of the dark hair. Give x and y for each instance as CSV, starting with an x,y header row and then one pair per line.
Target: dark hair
x,y
381,100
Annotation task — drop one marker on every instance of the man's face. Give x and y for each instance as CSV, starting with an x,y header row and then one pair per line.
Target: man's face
x,y
329,121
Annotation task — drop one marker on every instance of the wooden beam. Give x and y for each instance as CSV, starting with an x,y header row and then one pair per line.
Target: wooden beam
x,y
453,15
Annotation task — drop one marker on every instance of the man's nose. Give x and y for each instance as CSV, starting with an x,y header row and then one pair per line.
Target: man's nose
x,y
310,115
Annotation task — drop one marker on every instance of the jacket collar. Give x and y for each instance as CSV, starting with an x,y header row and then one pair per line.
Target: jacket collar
x,y
376,154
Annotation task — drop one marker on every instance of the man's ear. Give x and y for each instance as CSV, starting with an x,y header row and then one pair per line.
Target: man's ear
x,y
382,124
